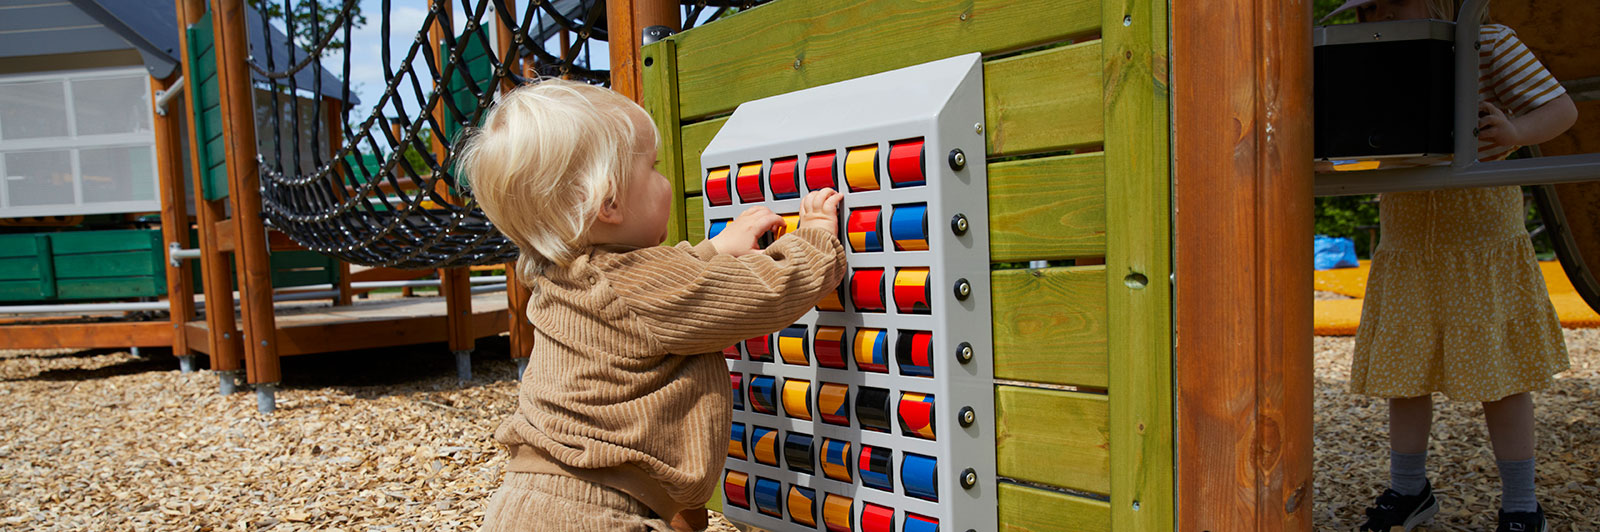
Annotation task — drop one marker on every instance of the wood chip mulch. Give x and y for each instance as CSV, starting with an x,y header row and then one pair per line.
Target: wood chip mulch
x,y
387,440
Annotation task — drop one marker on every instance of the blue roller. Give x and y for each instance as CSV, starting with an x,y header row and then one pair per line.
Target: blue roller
x,y
908,226
716,227
919,475
918,523
769,497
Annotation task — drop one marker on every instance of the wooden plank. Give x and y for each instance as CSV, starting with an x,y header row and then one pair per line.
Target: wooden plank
x,y
19,268
21,290
1244,381
659,63
88,335
694,211
1138,264
301,339
1050,325
787,46
111,287
1027,509
105,241
695,137
1044,101
1053,437
1047,208
106,265
18,245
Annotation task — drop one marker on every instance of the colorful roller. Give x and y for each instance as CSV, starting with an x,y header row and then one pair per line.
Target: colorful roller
x,y
872,408
792,346
769,497
736,380
916,415
803,505
918,523
864,229
833,301
875,518
731,352
838,513
836,459
797,399
716,228
735,489
799,453
866,290
718,190
748,183
736,441
861,168
821,173
833,403
920,476
911,294
913,352
763,394
871,350
791,223
784,179
908,226
906,163
759,348
877,468
764,445
828,344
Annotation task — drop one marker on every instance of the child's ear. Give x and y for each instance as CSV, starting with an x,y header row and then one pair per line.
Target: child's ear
x,y
609,212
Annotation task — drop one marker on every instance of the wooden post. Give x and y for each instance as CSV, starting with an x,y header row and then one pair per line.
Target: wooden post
x,y
517,294
627,21
223,337
333,116
250,236
1241,94
454,283
174,214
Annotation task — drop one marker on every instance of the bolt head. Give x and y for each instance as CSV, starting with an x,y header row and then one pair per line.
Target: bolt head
x,y
968,416
964,353
969,478
959,224
977,127
963,289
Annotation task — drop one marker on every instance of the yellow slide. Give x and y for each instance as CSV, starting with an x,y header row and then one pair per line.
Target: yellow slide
x,y
1339,317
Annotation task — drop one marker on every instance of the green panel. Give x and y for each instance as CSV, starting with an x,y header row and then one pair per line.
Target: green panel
x,y
694,212
1044,101
21,290
1047,208
1028,509
695,138
105,241
19,269
787,46
18,245
301,268
111,288
206,100
1052,437
475,61
659,84
1050,325
103,265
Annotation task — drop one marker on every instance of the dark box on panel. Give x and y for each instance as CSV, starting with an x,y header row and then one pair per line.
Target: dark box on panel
x,y
1384,89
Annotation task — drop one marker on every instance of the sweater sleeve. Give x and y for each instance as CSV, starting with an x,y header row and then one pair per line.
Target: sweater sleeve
x,y
694,301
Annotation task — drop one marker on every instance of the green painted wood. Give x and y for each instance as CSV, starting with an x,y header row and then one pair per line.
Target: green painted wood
x,y
1138,264
206,97
788,46
1027,509
696,137
658,65
694,211
46,263
105,265
105,241
475,62
18,245
111,288
1050,325
19,269
1044,101
1047,208
301,268
1053,437
22,290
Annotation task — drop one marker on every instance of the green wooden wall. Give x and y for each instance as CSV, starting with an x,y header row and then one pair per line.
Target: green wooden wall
x,y
1075,105
207,101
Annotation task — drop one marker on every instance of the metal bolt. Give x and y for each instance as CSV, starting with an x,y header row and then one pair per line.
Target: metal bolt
x,y
1135,506
968,416
959,224
964,353
1127,20
797,63
969,478
958,160
963,289
977,127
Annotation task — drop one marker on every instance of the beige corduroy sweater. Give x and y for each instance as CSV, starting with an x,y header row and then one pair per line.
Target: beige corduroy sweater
x,y
626,386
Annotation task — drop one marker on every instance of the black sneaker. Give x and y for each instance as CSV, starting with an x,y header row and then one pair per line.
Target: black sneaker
x,y
1523,521
1394,512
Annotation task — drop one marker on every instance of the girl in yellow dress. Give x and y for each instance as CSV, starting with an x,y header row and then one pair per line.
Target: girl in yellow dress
x,y
1455,302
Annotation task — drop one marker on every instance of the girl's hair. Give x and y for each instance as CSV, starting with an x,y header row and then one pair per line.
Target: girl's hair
x,y
547,156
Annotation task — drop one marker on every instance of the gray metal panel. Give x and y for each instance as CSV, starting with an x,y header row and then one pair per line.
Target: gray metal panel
x,y
942,103
1391,30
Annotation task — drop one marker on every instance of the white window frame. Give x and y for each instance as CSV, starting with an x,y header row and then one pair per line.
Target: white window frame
x,y
72,143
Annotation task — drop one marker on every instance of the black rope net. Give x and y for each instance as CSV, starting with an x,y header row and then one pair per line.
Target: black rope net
x,y
387,193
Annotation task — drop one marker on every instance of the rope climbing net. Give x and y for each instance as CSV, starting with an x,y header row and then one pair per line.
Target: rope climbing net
x,y
383,191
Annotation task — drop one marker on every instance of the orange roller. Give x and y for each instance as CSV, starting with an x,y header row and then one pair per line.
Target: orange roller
x,y
797,399
861,168
836,512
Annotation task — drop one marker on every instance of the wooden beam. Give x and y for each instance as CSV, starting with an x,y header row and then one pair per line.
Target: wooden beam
x,y
1029,509
88,335
1243,296
174,215
660,101
1139,263
1053,437
455,284
1050,325
326,337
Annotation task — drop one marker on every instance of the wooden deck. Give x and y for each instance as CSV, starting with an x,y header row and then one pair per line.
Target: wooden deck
x,y
316,327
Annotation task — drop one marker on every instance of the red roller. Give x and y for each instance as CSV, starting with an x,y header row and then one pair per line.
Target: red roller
x,y
876,518
866,290
783,180
821,172
906,167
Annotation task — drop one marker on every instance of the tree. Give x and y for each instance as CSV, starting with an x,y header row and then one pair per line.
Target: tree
x,y
313,20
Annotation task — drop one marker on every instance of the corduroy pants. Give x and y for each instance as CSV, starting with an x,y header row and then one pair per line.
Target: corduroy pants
x,y
556,503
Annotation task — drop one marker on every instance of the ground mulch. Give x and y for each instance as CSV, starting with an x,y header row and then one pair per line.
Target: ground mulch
x,y
387,440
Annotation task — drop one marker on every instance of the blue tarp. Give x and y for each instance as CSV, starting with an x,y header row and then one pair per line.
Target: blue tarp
x,y
1331,252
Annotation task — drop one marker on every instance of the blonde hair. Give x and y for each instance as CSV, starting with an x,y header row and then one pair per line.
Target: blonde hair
x,y
547,157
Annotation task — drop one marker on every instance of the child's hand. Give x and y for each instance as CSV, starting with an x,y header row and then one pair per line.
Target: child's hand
x,y
820,209
739,237
1496,128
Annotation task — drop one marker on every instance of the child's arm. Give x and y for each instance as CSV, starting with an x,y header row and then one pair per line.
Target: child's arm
x,y
741,235
697,306
1545,122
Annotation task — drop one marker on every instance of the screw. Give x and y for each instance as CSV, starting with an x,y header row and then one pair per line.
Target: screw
x,y
968,416
1127,20
797,63
977,128
958,160
964,353
963,289
1135,506
969,478
959,224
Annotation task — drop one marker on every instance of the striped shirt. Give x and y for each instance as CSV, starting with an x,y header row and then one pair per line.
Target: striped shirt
x,y
1510,78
